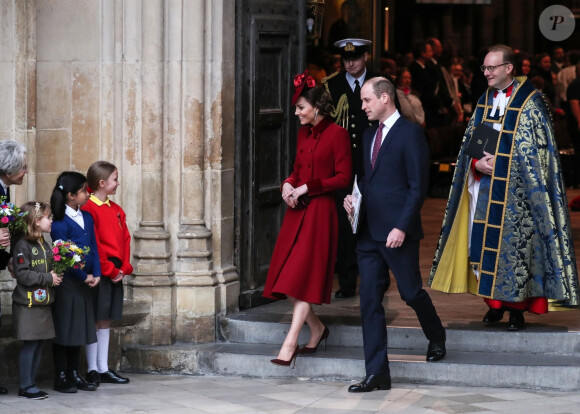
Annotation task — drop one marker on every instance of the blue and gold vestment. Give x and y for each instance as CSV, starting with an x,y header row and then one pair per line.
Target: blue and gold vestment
x,y
521,242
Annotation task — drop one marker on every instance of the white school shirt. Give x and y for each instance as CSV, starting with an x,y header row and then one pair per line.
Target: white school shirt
x,y
76,215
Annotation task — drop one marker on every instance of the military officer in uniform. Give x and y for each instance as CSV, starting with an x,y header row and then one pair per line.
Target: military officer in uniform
x,y
344,88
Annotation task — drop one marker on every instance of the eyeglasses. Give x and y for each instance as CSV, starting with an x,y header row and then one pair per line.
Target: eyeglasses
x,y
492,68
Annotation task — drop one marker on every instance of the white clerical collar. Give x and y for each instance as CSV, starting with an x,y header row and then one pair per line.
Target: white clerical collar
x,y
501,98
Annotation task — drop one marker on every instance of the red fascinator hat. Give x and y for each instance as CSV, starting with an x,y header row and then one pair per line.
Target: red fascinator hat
x,y
301,80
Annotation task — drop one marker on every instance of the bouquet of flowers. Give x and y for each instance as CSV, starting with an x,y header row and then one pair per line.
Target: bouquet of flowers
x,y
11,216
67,255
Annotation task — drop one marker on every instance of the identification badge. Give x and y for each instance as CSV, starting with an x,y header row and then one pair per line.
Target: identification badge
x,y
40,295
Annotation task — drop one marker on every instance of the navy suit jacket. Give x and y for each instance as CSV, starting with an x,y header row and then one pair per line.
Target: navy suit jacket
x,y
393,192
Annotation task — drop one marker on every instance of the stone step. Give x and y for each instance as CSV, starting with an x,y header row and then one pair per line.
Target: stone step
x,y
256,328
486,369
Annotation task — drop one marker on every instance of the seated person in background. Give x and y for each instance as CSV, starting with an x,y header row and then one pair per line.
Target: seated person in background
x,y
411,106
463,88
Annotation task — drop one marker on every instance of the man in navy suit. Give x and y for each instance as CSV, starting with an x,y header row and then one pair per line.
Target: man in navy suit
x,y
394,186
344,89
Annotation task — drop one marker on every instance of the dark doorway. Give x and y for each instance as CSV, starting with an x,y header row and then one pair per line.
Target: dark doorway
x,y
270,50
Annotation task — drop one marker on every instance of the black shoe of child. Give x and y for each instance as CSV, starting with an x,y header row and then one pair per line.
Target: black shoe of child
x,y
62,384
3,390
79,382
93,377
111,377
38,395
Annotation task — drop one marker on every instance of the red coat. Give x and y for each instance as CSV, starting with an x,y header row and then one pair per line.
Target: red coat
x,y
302,264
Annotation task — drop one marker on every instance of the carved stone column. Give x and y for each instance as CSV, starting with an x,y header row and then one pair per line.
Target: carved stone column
x,y
206,281
195,278
220,107
144,137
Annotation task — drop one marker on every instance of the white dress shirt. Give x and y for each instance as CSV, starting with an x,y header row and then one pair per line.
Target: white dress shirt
x,y
389,122
4,186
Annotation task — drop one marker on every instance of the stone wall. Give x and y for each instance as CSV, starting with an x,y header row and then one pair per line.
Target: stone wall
x,y
147,85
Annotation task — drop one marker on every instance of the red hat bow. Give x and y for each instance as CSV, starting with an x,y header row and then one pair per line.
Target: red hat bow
x,y
301,80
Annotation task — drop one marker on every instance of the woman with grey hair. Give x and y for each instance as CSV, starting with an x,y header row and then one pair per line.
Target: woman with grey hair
x,y
12,164
12,170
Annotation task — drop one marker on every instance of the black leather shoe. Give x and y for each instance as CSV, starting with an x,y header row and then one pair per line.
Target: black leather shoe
x,y
38,395
517,322
111,377
79,382
62,384
436,351
344,293
93,377
371,383
3,390
493,316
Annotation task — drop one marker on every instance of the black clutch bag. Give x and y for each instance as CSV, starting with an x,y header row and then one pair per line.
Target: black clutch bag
x,y
302,202
484,138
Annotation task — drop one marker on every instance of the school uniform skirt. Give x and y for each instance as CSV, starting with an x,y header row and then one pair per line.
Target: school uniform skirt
x,y
108,298
74,313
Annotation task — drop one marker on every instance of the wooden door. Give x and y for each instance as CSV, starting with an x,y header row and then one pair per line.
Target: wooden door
x,y
270,50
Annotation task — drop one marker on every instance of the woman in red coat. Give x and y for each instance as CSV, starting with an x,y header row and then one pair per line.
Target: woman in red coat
x,y
302,265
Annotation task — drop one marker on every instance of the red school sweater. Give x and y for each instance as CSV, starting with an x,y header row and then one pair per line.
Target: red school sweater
x,y
112,234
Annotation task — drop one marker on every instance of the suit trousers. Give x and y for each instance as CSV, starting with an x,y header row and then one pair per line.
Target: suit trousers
x,y
375,260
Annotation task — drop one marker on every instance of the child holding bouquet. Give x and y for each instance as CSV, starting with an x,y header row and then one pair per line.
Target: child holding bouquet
x,y
73,235
113,241
33,294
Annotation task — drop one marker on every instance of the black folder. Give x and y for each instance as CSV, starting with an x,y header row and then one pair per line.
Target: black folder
x,y
484,138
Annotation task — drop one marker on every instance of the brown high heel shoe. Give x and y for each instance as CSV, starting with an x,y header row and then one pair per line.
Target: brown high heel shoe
x,y
324,337
287,363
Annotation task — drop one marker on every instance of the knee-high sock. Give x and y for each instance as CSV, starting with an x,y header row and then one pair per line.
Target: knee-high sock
x,y
103,350
72,357
91,351
59,354
25,363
